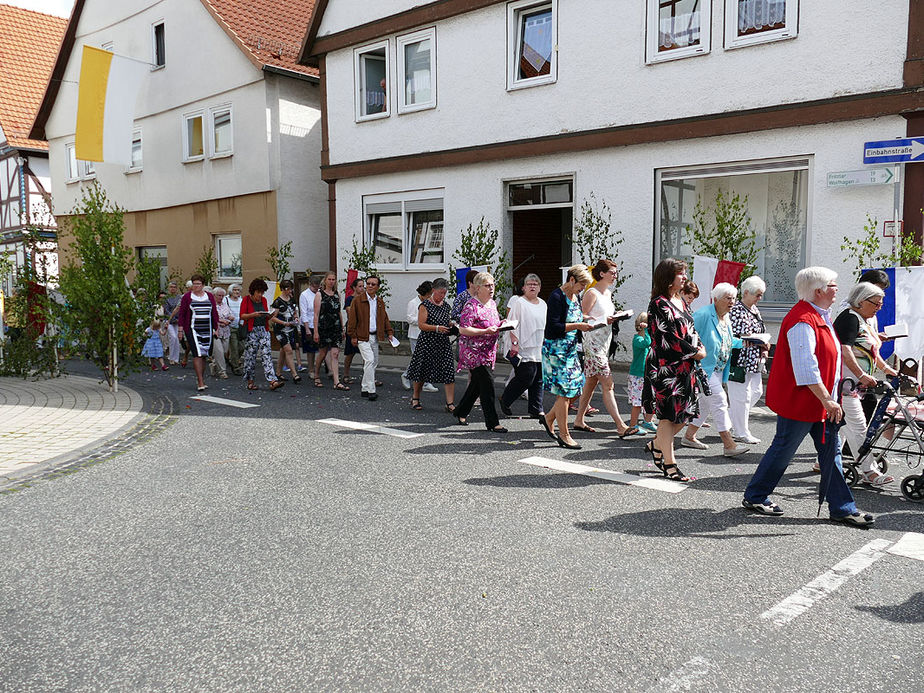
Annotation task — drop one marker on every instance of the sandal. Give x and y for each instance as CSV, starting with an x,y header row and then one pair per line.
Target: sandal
x,y
318,383
876,479
340,386
451,408
276,384
630,431
586,429
672,472
416,407
297,379
656,455
251,385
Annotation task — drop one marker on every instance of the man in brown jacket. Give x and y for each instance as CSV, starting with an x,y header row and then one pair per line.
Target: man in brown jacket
x,y
367,323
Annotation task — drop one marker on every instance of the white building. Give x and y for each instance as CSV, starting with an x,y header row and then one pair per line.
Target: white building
x,y
227,133
518,111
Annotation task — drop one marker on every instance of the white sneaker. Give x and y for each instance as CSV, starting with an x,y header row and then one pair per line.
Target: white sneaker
x,y
430,387
749,440
406,383
693,443
735,451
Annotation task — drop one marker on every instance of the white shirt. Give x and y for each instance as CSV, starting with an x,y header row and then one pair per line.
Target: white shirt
x,y
306,307
235,307
531,330
373,314
413,329
802,344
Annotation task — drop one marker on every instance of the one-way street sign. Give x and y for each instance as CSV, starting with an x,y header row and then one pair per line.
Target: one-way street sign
x,y
894,151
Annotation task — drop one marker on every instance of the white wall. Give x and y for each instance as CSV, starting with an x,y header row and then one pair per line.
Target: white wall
x,y
203,68
345,14
624,178
295,153
603,79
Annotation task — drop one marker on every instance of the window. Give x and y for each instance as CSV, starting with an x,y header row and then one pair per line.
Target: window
x,y
677,29
107,46
193,143
222,139
776,198
136,152
417,71
556,193
406,230
77,169
531,43
371,70
229,254
159,49
758,21
158,255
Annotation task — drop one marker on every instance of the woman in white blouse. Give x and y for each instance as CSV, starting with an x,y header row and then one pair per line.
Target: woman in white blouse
x,y
526,348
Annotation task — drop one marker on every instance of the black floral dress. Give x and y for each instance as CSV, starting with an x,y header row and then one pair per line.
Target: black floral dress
x,y
432,360
746,320
330,328
669,390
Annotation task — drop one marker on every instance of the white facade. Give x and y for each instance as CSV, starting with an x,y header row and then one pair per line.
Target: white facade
x,y
603,77
274,122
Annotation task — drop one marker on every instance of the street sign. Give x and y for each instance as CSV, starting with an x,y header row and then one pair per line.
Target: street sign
x,y
869,176
894,151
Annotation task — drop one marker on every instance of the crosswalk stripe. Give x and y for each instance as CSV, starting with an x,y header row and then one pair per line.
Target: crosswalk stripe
x,y
911,545
597,473
226,402
372,428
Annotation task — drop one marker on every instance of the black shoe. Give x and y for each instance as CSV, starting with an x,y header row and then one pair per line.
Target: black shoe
x,y
372,396
545,425
497,429
504,408
563,444
363,394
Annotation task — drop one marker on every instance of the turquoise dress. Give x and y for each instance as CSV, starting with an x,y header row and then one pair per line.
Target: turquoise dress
x,y
562,374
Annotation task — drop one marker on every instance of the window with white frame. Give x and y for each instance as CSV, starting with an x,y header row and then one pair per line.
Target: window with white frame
x,y
532,35
156,254
775,196
137,160
677,29
406,230
417,71
759,21
229,256
193,136
158,45
77,169
222,135
107,46
371,74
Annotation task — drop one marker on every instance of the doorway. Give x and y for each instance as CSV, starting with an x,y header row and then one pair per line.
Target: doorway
x,y
542,245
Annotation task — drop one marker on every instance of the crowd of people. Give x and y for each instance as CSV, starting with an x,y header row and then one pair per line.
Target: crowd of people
x,y
686,366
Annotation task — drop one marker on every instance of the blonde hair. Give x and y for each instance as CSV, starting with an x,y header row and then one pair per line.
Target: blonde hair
x,y
482,278
641,319
155,324
581,274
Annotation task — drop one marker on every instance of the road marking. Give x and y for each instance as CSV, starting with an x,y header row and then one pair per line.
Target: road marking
x,y
911,545
685,676
372,428
597,473
226,402
801,601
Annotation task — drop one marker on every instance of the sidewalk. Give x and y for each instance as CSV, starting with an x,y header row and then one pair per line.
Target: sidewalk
x,y
48,422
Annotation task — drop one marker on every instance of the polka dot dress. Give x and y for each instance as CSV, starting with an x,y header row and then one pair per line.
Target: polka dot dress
x,y
432,361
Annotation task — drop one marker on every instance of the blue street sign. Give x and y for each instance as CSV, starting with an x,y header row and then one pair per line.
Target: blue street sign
x,y
894,151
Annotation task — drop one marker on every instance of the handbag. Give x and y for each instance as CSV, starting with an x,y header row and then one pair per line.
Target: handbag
x,y
735,372
702,380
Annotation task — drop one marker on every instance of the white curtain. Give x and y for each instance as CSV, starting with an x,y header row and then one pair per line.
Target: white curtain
x,y
680,30
760,14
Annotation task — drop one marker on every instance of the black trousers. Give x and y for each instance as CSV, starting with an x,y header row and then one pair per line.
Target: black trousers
x,y
527,375
480,386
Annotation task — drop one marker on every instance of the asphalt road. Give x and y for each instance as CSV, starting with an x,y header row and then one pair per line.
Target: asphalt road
x,y
259,549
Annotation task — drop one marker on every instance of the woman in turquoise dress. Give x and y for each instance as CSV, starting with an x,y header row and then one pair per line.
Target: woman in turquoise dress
x,y
562,374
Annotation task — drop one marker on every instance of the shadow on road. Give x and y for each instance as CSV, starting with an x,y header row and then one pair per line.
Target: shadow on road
x,y
538,481
911,611
692,522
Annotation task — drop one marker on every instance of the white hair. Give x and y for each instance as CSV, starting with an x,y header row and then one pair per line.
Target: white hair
x,y
221,289
723,289
753,285
810,279
235,286
861,292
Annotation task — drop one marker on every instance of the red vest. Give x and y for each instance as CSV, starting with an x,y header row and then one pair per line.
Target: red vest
x,y
783,395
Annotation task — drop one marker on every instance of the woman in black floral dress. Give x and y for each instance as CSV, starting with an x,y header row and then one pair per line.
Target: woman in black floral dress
x,y
669,390
327,330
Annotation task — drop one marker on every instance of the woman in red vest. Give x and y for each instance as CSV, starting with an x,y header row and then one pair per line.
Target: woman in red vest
x,y
801,390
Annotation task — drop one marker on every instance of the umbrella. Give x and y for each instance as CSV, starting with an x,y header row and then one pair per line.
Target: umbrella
x,y
830,446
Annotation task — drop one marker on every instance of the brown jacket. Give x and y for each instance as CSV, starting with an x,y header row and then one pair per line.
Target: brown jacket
x,y
358,319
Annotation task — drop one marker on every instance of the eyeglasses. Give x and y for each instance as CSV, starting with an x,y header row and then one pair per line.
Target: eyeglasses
x,y
832,286
878,303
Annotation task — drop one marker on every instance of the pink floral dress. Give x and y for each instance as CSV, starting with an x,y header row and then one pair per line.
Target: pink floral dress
x,y
478,351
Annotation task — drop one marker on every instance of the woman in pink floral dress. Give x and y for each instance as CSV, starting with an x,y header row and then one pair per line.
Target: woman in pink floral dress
x,y
478,334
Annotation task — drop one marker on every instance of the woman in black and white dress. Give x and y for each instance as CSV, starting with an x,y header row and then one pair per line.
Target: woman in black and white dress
x,y
432,360
198,317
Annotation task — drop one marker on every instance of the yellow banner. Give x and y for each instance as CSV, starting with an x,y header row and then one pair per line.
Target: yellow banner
x,y
91,103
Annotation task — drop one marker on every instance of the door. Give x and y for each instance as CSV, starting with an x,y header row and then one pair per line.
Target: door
x,y
541,245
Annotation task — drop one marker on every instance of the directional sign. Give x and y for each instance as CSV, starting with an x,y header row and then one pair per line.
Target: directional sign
x,y
894,151
869,176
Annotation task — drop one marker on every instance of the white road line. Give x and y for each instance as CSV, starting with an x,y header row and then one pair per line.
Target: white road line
x,y
801,601
685,676
226,402
372,428
597,473
911,545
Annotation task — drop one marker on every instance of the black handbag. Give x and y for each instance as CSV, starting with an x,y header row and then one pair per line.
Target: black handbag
x,y
702,380
735,372
242,331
